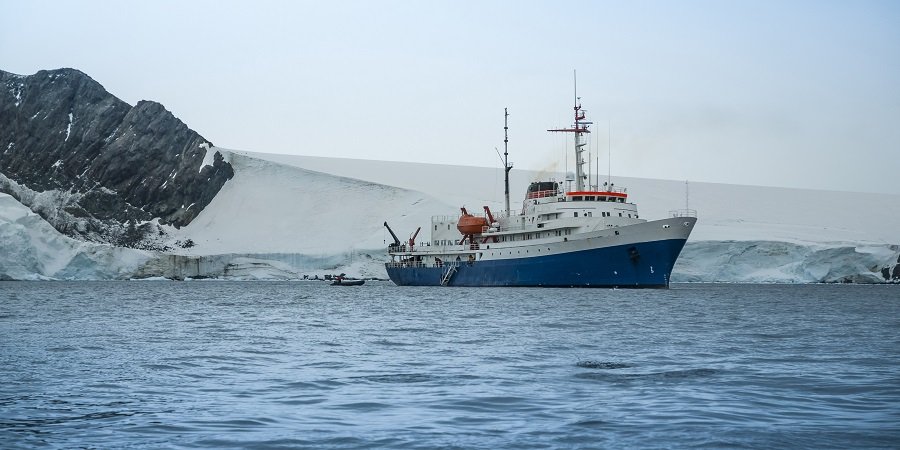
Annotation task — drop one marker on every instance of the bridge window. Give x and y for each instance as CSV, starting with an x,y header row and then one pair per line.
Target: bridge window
x,y
576,198
590,198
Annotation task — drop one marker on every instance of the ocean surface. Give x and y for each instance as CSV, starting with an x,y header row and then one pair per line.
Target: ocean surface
x,y
212,364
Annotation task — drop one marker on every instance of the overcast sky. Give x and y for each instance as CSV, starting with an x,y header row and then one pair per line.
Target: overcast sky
x,y
783,93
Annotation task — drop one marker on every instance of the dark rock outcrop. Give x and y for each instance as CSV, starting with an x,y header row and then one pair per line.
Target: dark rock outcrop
x,y
108,165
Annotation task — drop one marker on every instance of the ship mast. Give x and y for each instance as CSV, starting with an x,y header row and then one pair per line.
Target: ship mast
x,y
580,128
506,165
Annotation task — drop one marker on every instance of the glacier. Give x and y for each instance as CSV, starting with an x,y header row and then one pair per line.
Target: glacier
x,y
285,217
31,249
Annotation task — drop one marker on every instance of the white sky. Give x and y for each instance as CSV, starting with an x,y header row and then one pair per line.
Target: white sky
x,y
783,93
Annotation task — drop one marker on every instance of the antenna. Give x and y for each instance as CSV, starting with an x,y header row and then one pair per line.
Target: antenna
x,y
597,163
609,151
589,177
579,128
506,165
686,195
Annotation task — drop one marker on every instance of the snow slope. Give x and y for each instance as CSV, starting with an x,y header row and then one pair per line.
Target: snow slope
x,y
726,212
276,208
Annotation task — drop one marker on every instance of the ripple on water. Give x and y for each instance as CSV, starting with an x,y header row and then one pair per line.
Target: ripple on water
x,y
591,364
490,404
591,423
243,424
400,378
362,406
325,384
672,375
390,343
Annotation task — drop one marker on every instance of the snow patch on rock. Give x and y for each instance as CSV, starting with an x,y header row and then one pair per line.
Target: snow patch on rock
x,y
68,128
209,158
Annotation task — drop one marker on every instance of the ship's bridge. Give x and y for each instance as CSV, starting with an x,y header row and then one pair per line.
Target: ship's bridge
x,y
616,195
545,201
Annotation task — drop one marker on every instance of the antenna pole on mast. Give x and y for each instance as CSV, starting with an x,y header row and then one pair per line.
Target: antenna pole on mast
x,y
597,162
609,152
579,128
506,165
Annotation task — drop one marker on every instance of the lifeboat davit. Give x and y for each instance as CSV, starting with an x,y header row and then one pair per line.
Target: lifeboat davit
x,y
469,224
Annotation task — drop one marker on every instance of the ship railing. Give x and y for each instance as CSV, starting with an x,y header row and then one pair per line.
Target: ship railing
x,y
406,264
504,228
542,194
444,218
683,213
420,264
398,248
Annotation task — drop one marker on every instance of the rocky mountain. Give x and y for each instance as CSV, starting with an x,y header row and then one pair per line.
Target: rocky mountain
x,y
96,167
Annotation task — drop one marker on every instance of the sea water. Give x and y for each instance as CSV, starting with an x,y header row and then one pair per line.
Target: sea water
x,y
211,364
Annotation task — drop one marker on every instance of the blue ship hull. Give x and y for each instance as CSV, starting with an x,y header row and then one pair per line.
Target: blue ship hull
x,y
638,265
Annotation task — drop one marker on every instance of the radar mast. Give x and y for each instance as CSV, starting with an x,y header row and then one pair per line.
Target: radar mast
x,y
580,128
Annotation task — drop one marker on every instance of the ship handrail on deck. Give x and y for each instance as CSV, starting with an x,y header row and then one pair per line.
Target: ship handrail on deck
x,y
683,213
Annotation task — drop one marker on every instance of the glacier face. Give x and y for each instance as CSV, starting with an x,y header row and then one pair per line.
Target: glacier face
x,y
31,249
785,262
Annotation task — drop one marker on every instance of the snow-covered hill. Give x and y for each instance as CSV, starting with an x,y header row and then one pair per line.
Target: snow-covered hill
x,y
281,217
277,208
727,212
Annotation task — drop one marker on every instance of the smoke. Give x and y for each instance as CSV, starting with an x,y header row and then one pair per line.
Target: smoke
x,y
550,170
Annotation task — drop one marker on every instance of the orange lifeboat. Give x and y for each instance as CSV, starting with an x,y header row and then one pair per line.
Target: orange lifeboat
x,y
469,224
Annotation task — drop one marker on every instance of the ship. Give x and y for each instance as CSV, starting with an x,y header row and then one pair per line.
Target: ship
x,y
566,234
